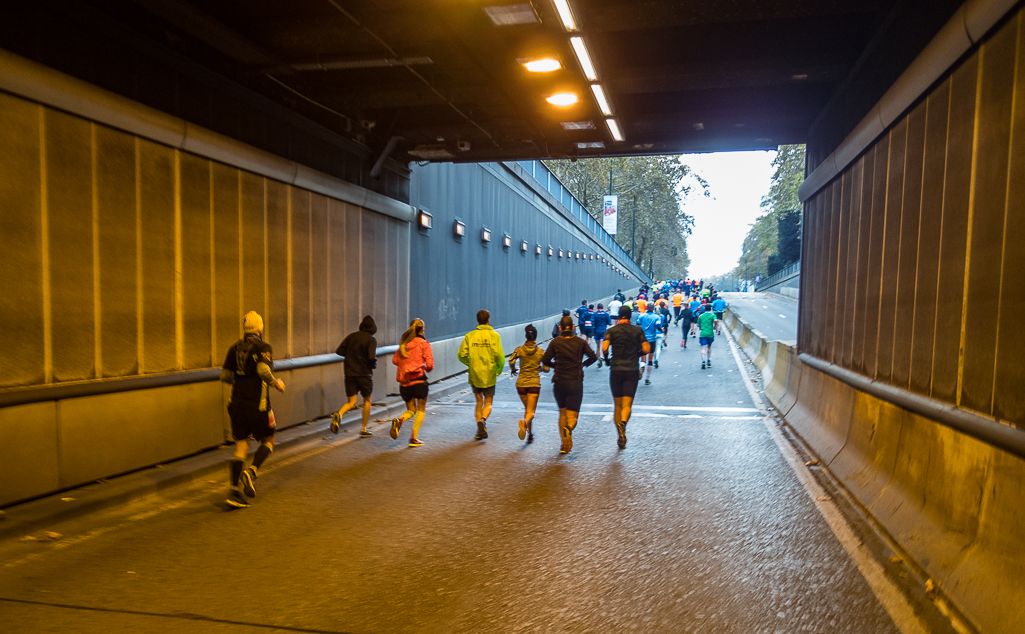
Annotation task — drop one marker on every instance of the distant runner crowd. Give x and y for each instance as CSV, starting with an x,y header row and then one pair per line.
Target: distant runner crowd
x,y
628,336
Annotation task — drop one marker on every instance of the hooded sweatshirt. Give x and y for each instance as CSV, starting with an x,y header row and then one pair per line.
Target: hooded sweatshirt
x,y
481,350
360,349
413,368
529,355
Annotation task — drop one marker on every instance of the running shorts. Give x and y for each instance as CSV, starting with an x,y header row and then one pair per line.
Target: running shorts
x,y
706,341
487,392
523,391
362,385
718,315
414,391
587,332
623,383
569,395
248,420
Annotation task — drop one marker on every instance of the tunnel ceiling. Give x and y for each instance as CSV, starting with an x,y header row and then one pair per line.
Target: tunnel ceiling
x,y
447,76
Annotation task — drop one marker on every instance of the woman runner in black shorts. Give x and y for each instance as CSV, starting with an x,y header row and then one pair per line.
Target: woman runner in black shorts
x,y
413,360
567,353
528,385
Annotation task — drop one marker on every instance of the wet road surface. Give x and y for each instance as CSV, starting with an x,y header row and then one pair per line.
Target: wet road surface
x,y
698,526
771,314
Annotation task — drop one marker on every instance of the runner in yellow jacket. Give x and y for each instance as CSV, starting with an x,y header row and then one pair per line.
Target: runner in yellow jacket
x,y
482,352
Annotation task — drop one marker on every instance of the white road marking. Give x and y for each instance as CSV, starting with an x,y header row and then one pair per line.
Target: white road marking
x,y
891,598
783,316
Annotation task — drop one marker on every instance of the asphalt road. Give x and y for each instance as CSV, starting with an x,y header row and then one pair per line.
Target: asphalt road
x,y
771,314
700,525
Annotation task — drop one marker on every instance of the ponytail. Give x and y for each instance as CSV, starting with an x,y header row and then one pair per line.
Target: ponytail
x,y
416,329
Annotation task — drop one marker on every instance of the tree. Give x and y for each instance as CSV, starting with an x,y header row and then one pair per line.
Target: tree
x,y
774,240
651,190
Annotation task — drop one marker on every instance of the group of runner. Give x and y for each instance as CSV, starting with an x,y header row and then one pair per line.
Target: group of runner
x,y
629,347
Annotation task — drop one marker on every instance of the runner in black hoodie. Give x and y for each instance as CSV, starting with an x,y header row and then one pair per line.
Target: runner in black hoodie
x,y
567,353
360,352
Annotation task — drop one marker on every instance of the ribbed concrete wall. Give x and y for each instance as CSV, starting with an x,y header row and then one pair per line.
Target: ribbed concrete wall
x,y
913,255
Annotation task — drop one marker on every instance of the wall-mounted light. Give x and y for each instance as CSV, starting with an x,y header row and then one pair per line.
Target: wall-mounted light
x,y
537,250
560,253
578,255
459,228
550,250
506,241
485,235
523,246
425,219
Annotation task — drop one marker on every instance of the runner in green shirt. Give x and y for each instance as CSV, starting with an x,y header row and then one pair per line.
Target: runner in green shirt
x,y
706,325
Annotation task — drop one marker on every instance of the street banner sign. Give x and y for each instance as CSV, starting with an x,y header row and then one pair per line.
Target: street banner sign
x,y
610,218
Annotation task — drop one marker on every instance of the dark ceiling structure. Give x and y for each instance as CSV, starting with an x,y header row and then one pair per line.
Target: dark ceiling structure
x,y
448,80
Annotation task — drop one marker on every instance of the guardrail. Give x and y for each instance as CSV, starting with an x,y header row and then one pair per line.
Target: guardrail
x,y
779,276
62,391
547,179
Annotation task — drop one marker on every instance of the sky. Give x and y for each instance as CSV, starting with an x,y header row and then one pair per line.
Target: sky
x,y
737,181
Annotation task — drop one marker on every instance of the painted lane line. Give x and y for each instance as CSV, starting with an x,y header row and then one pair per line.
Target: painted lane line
x,y
587,406
891,598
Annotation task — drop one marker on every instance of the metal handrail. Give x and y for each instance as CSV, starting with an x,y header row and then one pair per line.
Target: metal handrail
x,y
62,391
794,267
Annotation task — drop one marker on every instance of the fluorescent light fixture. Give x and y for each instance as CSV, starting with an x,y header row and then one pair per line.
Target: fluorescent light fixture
x,y
546,65
599,96
562,99
584,58
425,219
485,235
614,129
459,228
506,241
566,15
511,14
591,145
577,125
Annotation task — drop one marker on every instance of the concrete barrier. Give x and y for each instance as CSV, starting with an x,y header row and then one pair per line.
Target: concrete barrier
x,y
951,502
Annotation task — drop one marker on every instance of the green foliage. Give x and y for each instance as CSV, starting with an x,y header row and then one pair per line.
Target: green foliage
x,y
651,190
781,203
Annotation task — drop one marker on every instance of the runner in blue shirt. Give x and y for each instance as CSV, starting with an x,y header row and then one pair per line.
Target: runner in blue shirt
x,y
695,310
651,323
585,322
718,306
602,321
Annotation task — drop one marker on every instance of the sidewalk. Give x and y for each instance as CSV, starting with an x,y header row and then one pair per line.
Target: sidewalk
x,y
37,515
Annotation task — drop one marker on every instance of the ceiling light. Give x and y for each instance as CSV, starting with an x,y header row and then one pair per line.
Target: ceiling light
x,y
599,96
511,14
591,145
577,125
545,65
566,15
614,129
582,56
562,99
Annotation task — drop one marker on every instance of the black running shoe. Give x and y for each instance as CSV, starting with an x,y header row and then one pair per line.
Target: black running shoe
x,y
396,425
656,364
709,363
647,381
599,362
482,430
335,421
530,438
567,440
248,480
702,365
365,433
621,429
236,500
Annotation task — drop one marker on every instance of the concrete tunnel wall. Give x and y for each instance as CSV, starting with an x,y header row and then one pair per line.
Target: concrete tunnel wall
x,y
127,257
913,259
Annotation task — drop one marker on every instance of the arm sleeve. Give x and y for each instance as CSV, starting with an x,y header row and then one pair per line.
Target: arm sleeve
x,y
265,373
464,351
429,358
340,351
227,376
499,353
549,355
591,356
372,353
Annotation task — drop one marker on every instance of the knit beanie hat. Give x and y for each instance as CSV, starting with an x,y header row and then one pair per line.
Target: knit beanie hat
x,y
252,323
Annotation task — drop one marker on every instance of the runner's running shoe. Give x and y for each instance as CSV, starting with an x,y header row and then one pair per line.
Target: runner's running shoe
x,y
523,429
415,442
335,422
621,429
567,439
248,480
396,425
647,381
236,500
482,430
530,438
702,365
365,433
